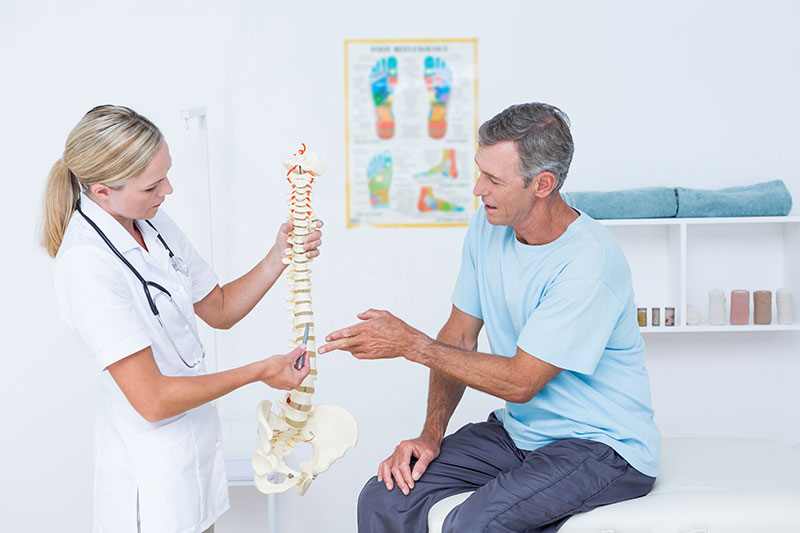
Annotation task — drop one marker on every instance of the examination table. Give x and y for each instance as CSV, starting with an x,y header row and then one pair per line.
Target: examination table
x,y
705,485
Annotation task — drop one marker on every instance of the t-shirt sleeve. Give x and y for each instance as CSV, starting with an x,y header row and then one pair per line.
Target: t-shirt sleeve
x,y
466,296
203,277
572,324
96,302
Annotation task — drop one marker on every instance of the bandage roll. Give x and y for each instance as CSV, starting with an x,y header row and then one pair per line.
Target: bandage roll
x,y
716,307
740,307
762,307
783,299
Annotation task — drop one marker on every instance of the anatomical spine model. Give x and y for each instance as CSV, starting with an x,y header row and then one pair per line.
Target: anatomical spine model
x,y
328,428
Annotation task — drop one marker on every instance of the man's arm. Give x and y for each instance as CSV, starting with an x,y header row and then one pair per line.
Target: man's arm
x,y
381,335
444,393
514,379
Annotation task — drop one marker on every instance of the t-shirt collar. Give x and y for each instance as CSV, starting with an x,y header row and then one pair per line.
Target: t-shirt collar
x,y
536,247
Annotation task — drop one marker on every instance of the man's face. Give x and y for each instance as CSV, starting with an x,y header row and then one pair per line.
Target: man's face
x,y
500,186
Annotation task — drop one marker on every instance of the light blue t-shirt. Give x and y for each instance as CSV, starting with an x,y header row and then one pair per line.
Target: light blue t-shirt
x,y
568,303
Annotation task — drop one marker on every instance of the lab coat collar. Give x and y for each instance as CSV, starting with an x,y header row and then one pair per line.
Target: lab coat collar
x,y
158,253
118,235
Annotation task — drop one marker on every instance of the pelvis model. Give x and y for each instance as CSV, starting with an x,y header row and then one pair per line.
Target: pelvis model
x,y
328,428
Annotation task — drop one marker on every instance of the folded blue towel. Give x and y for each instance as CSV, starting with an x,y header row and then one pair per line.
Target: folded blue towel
x,y
653,202
771,198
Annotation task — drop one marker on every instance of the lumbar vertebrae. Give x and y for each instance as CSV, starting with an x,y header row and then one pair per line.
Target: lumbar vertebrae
x,y
328,428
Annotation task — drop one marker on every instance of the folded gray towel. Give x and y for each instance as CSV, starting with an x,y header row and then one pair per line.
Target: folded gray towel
x,y
770,198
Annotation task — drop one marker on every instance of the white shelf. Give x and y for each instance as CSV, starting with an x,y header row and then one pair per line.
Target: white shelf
x,y
696,221
705,328
676,261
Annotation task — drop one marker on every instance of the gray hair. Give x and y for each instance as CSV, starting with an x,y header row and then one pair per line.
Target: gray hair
x,y
541,134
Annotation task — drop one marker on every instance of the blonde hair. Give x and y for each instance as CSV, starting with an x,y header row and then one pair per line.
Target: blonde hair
x,y
110,145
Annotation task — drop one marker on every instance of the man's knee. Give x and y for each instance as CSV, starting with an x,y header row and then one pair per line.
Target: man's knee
x,y
369,494
375,500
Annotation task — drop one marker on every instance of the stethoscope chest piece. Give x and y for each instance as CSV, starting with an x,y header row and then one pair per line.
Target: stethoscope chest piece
x,y
179,265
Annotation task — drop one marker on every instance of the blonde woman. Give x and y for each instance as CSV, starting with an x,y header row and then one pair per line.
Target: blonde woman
x,y
129,284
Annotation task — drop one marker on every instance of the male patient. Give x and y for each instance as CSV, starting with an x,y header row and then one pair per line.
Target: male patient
x,y
553,289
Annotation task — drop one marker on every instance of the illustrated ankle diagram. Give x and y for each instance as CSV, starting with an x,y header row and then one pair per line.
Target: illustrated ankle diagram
x,y
428,202
329,429
446,167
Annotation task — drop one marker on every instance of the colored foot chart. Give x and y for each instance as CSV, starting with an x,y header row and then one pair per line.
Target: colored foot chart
x,y
437,79
446,167
411,125
383,80
379,177
428,202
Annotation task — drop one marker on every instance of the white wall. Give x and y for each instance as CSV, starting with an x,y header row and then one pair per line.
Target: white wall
x,y
700,94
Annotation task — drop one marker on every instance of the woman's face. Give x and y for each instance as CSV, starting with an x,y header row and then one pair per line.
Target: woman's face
x,y
140,198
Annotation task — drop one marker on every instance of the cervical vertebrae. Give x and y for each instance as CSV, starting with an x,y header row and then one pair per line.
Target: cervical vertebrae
x,y
328,428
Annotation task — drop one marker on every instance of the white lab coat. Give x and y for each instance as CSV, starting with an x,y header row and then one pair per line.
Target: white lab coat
x,y
171,472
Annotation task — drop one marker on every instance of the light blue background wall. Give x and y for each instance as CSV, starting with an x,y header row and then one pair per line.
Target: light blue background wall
x,y
700,94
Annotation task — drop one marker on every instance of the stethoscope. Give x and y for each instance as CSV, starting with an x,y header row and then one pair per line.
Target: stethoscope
x,y
177,264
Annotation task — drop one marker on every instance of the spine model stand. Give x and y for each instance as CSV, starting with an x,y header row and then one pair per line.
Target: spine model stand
x,y
328,428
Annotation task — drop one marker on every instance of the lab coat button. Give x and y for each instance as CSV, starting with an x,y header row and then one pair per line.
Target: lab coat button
x,y
219,443
186,329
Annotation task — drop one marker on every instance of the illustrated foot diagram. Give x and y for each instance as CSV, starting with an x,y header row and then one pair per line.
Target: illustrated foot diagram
x,y
438,79
379,176
383,80
446,167
428,202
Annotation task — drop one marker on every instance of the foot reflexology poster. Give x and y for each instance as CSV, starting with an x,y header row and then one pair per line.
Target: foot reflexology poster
x,y
411,122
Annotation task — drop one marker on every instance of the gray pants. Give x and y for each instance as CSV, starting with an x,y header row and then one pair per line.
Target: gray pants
x,y
515,490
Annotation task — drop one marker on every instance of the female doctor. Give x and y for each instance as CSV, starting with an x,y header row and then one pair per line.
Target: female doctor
x,y
129,284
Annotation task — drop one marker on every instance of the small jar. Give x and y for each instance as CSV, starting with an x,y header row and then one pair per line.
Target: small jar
x,y
669,316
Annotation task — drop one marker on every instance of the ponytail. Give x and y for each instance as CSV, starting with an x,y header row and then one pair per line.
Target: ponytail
x,y
110,145
60,199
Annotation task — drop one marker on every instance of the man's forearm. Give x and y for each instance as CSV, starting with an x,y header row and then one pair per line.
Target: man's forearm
x,y
493,374
444,393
